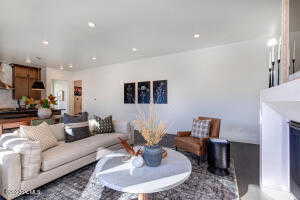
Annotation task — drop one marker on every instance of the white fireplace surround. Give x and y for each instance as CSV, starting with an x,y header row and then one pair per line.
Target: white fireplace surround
x,y
278,106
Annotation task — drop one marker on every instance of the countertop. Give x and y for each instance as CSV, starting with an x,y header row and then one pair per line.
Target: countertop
x,y
15,113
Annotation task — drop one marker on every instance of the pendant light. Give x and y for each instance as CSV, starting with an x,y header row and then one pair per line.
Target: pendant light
x,y
38,84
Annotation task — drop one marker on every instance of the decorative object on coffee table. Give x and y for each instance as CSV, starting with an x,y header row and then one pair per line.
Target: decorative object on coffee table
x,y
129,149
218,156
185,141
115,174
153,130
137,161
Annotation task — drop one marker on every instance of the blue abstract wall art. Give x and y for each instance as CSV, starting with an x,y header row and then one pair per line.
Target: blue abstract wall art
x,y
160,92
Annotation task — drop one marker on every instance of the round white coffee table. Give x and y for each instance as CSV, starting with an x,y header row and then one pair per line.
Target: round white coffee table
x,y
116,173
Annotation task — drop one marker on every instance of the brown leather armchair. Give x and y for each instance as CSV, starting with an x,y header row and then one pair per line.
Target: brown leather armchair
x,y
198,146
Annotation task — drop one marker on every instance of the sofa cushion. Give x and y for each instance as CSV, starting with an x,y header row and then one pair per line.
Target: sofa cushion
x,y
68,119
58,131
104,125
121,126
77,131
67,152
8,136
30,152
41,133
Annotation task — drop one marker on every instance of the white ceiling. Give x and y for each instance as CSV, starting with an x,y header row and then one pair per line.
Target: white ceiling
x,y
153,27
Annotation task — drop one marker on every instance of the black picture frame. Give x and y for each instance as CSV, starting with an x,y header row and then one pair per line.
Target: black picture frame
x,y
129,93
144,92
160,92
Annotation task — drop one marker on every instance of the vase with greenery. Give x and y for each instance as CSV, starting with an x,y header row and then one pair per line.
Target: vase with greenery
x,y
44,106
153,130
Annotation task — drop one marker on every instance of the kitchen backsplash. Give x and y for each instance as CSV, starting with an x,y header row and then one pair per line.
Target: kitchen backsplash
x,y
6,100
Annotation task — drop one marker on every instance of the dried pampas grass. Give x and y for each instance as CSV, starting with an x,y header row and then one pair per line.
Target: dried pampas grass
x,y
151,128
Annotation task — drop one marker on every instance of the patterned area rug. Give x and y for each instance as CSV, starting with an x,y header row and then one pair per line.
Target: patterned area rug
x,y
83,185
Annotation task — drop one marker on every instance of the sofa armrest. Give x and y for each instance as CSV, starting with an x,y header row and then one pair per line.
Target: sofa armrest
x,y
10,172
184,133
123,126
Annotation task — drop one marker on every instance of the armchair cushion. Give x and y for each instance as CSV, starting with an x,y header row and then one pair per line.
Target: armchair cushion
x,y
183,133
192,144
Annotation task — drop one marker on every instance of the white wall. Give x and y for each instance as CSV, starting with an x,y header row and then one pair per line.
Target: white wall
x,y
54,74
222,82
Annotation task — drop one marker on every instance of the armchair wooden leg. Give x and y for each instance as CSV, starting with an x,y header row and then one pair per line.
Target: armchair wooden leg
x,y
176,148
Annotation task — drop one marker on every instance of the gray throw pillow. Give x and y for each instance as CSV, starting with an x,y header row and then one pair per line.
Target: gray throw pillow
x,y
83,117
76,131
104,125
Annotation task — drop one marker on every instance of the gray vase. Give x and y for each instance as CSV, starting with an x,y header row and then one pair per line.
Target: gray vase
x,y
152,155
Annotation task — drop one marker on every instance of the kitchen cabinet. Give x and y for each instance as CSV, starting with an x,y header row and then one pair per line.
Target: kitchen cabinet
x,y
23,77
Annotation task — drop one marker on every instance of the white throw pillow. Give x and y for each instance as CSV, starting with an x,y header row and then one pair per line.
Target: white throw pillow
x,y
201,128
121,126
58,131
41,133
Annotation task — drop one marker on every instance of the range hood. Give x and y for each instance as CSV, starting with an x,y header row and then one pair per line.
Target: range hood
x,y
5,86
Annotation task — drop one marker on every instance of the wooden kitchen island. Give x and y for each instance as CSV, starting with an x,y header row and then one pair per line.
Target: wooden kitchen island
x,y
13,119
14,123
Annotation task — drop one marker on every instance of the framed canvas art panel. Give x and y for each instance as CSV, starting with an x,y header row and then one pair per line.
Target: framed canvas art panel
x,y
160,92
144,92
129,93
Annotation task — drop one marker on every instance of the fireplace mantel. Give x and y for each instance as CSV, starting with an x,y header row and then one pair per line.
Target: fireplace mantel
x,y
278,106
288,109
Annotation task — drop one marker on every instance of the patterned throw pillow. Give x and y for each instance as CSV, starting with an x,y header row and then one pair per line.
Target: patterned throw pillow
x,y
41,133
200,128
104,125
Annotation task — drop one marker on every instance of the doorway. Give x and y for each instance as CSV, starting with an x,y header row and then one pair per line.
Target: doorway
x,y
60,89
77,97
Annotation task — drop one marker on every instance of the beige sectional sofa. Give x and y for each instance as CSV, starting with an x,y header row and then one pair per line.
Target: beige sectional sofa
x,y
23,167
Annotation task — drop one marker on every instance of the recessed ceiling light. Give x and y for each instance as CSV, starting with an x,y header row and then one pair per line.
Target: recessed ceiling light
x,y
94,58
61,67
45,42
92,25
134,49
196,35
70,66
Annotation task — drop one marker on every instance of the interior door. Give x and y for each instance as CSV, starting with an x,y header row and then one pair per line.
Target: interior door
x,y
77,97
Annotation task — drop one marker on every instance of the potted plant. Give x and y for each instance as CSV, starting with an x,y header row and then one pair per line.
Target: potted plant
x,y
44,106
152,130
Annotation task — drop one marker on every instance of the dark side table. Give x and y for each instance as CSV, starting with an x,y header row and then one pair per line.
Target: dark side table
x,y
218,156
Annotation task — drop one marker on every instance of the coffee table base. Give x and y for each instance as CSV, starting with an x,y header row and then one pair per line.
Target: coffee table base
x,y
143,197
